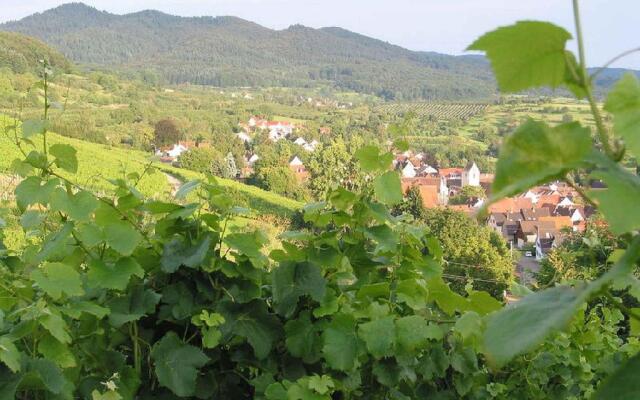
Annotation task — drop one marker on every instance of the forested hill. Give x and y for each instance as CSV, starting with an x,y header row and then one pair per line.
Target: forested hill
x,y
20,53
229,51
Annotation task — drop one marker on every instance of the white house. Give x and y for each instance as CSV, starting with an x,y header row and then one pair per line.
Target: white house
x,y
176,150
252,160
244,136
566,202
443,191
409,170
300,141
533,196
471,175
428,170
296,162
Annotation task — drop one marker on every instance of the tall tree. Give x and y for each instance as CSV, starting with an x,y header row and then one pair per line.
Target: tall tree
x,y
166,132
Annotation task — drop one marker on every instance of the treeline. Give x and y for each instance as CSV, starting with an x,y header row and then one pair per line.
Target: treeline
x,y
227,51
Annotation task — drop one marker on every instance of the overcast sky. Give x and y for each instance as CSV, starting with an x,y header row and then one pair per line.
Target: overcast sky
x,y
446,26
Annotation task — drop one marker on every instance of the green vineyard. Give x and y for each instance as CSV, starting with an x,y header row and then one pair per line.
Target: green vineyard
x,y
444,111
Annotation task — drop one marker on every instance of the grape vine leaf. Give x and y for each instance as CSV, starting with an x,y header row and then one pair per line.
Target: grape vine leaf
x,y
178,252
536,153
122,237
253,322
56,326
623,384
292,280
45,372
522,325
65,157
177,364
340,347
32,127
78,206
379,336
56,351
132,306
57,278
387,188
187,188
525,55
34,190
623,102
113,276
9,354
619,201
321,384
413,332
302,339
371,160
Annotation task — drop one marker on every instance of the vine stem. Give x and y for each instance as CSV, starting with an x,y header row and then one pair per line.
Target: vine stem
x,y
614,59
601,129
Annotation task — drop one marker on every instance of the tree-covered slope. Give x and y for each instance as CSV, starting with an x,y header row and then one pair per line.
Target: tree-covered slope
x,y
229,51
21,53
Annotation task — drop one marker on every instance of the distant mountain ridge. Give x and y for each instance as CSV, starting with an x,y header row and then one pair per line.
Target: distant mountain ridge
x,y
230,51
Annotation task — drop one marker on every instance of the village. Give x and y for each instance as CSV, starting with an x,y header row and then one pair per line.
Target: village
x,y
533,222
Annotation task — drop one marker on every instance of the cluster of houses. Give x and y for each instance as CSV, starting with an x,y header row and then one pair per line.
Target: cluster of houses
x,y
540,218
169,154
277,130
437,185
537,219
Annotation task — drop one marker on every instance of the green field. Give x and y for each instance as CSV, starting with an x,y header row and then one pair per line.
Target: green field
x,y
98,163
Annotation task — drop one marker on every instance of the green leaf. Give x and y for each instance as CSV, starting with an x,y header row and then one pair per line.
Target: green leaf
x,y
79,206
521,326
536,153
412,292
292,280
302,338
56,326
32,127
623,384
47,373
469,325
122,237
340,347
321,384
132,306
65,157
187,188
113,276
623,101
56,351
178,252
387,188
413,332
379,336
634,324
177,364
371,160
253,322
211,337
34,191
525,55
619,201
9,354
57,278
249,244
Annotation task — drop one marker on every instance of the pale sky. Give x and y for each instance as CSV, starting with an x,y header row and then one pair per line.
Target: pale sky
x,y
445,26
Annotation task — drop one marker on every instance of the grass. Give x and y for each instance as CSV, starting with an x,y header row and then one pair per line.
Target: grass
x,y
98,163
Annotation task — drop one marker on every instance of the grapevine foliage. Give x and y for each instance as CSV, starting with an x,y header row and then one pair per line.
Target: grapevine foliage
x,y
118,296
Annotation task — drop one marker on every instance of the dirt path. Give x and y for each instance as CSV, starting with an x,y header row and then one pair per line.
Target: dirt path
x,y
174,182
